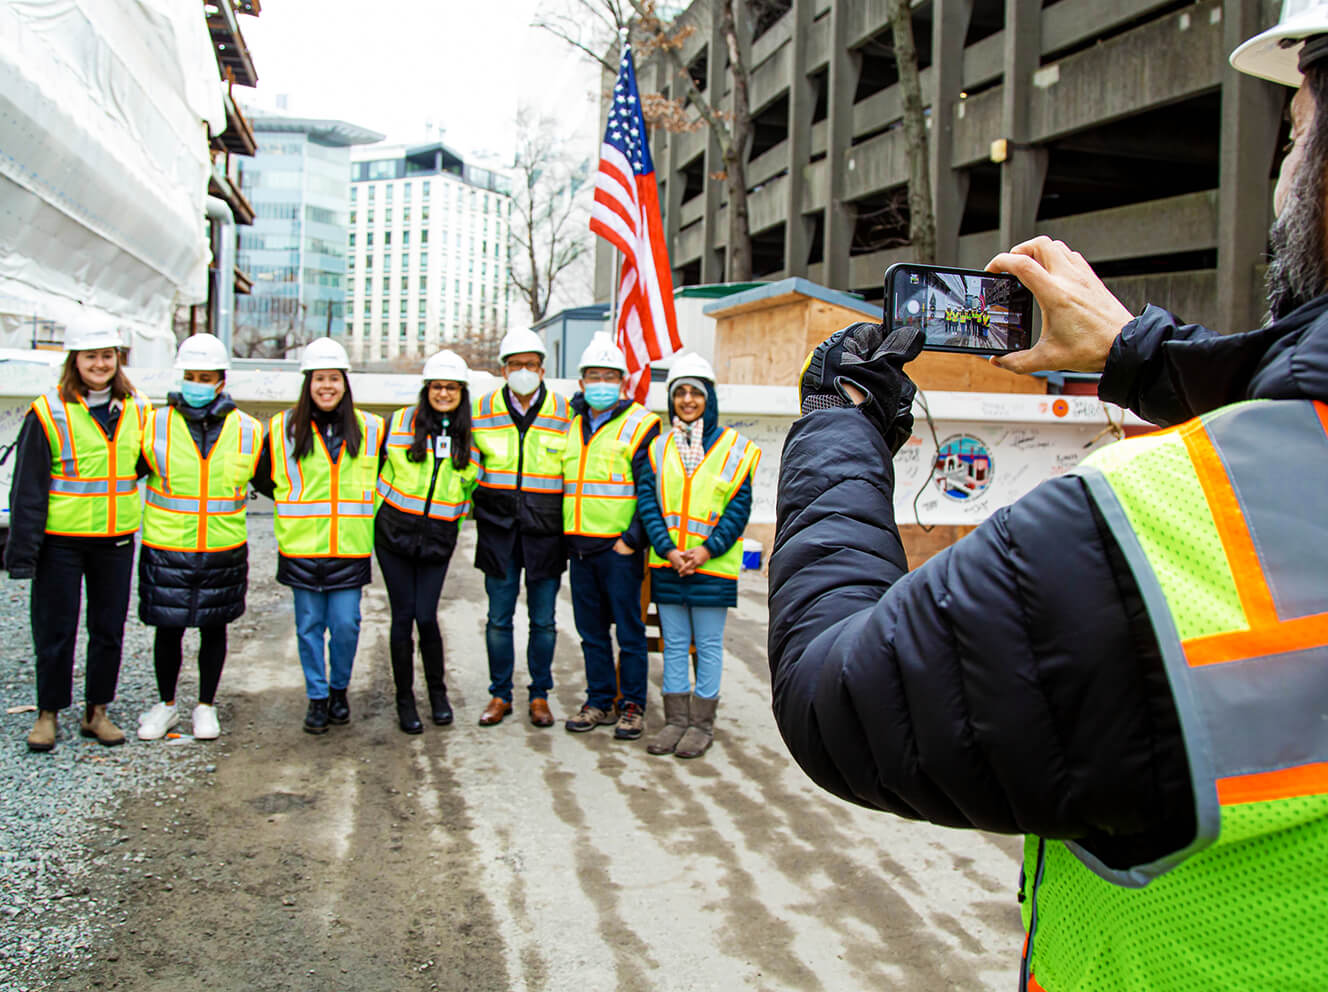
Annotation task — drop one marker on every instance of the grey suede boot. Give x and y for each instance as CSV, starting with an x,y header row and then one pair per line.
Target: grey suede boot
x,y
701,730
675,723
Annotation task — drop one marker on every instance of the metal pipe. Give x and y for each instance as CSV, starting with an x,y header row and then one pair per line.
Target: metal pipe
x,y
223,290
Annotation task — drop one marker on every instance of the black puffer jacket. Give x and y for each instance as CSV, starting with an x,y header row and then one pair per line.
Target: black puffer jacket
x,y
413,535
319,574
1013,682
194,588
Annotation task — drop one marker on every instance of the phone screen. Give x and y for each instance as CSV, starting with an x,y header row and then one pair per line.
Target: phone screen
x,y
962,310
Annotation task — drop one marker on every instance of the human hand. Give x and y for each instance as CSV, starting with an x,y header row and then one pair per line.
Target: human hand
x,y
677,560
623,548
1080,316
696,558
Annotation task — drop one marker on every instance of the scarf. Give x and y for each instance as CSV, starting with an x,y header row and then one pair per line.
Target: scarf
x,y
688,439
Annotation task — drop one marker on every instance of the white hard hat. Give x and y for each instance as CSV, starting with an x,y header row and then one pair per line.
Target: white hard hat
x,y
88,333
324,353
1275,54
202,353
518,342
446,366
602,353
691,366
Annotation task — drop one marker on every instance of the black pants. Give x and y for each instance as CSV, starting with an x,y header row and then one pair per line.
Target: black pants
x,y
63,566
168,658
413,588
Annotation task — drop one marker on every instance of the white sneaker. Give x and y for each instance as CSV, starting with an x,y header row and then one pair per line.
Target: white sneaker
x,y
206,725
153,724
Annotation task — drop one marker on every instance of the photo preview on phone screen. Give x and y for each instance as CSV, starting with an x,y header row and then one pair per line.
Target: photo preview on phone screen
x,y
963,311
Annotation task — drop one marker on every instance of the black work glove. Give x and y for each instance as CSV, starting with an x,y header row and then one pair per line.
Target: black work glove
x,y
865,356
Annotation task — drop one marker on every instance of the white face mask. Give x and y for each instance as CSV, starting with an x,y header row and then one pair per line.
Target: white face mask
x,y
523,381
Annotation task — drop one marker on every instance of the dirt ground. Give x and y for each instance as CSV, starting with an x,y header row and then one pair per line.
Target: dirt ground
x,y
516,858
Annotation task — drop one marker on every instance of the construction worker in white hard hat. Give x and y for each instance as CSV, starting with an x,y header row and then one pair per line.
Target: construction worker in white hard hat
x,y
427,473
695,499
320,466
519,430
194,567
607,451
1129,664
74,509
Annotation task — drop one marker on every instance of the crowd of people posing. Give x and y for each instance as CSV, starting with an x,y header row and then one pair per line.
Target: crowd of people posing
x,y
594,481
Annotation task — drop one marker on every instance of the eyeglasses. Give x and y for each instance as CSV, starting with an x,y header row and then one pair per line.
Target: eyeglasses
x,y
601,375
532,365
444,387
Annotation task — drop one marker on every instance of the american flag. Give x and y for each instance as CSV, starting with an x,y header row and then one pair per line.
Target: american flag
x,y
626,214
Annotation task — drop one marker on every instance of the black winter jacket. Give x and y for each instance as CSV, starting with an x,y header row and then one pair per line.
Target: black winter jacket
x,y
194,588
414,535
319,574
509,522
1013,682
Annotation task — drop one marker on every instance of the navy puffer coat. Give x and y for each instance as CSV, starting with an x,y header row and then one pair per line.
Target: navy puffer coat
x,y
194,588
1013,682
666,586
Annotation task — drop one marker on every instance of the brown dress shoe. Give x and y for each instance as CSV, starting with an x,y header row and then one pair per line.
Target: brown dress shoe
x,y
539,713
495,711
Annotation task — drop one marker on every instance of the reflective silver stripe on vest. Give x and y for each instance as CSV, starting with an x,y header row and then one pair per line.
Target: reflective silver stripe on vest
x,y
498,480
322,508
408,504
700,529
123,487
1257,714
80,487
660,448
672,520
536,485
251,434
619,489
161,446
631,422
736,454
188,504
372,432
57,408
551,424
449,511
354,509
401,433
292,466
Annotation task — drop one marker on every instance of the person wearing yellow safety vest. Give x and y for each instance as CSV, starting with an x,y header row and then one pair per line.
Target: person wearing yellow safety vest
x,y
695,500
193,570
74,509
520,430
1129,664
607,451
427,472
320,466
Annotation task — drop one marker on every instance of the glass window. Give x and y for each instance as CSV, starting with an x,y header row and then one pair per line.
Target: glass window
x,y
405,192
403,329
368,239
424,212
424,307
353,191
424,237
424,260
387,216
350,262
368,285
352,216
387,236
387,194
405,215
387,263
352,239
372,191
424,280
425,191
369,219
420,331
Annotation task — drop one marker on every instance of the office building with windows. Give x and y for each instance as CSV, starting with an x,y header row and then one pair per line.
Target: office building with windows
x,y
295,251
426,256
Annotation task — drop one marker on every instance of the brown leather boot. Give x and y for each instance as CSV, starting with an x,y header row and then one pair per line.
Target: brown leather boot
x,y
702,729
42,735
676,718
97,724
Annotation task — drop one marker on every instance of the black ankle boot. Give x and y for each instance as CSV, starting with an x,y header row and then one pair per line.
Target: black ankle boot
x,y
338,709
431,654
315,718
402,655
407,716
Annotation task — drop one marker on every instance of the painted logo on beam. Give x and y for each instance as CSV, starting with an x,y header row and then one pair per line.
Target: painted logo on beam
x,y
964,467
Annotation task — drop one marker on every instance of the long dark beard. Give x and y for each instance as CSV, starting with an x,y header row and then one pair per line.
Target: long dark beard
x,y
1297,272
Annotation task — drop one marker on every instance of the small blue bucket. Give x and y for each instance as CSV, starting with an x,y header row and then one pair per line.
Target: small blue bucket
x,y
751,554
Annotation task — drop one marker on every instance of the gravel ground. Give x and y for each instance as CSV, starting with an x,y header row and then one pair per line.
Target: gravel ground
x,y
59,811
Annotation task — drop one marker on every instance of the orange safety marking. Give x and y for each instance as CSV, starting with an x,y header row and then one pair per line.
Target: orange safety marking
x,y
1285,783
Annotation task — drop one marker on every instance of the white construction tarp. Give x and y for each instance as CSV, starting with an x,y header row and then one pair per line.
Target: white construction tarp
x,y
104,114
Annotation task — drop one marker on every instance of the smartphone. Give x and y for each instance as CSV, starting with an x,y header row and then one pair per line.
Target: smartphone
x,y
963,310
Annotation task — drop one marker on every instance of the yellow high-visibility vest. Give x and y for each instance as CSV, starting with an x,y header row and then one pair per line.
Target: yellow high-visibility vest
x,y
692,504
539,457
325,508
404,484
195,503
599,493
94,479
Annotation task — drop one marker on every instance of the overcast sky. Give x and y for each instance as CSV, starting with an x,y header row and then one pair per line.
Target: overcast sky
x,y
395,65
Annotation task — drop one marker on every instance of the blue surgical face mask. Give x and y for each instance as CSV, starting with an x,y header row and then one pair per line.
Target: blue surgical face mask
x,y
198,394
602,395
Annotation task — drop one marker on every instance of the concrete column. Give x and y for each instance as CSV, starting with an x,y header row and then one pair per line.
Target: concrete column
x,y
673,190
949,186
802,104
712,257
1251,115
1025,169
843,83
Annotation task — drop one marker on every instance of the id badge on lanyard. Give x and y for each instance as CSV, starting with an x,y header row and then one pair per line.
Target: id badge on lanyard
x,y
442,447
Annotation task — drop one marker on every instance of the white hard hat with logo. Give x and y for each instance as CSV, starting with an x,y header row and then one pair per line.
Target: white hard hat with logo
x,y
89,333
602,353
202,353
446,366
520,341
690,366
1299,38
324,353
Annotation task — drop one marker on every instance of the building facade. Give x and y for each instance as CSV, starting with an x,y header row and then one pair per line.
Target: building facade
x,y
427,253
294,253
1115,126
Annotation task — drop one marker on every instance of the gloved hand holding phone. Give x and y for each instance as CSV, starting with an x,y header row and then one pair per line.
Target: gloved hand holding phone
x,y
863,365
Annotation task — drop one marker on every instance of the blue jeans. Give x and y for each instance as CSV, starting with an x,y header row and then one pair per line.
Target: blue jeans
x,y
606,590
681,626
541,597
336,614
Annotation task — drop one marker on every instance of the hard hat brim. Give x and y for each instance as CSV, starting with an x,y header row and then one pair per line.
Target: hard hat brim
x,y
1265,57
